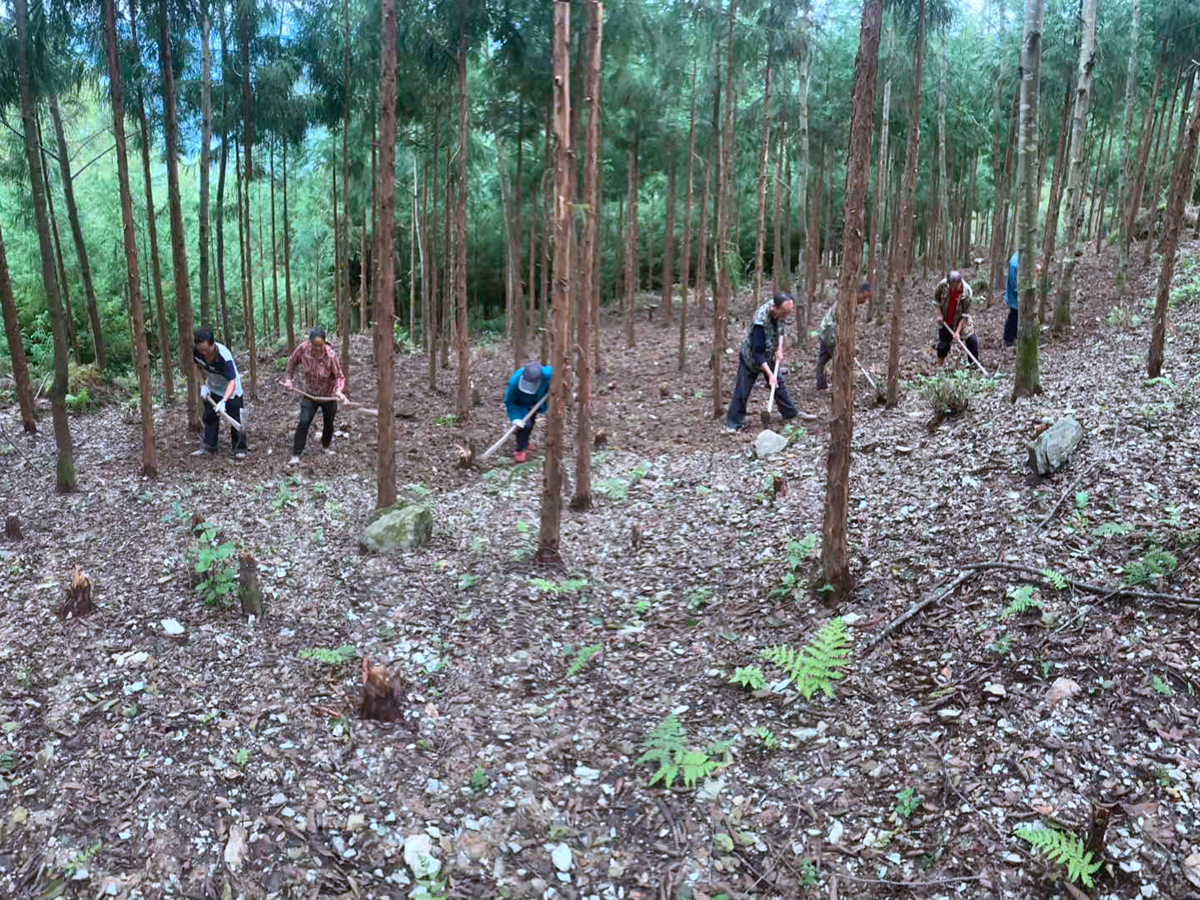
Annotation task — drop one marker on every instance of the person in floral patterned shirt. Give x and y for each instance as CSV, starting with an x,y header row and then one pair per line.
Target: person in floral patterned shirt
x,y
323,379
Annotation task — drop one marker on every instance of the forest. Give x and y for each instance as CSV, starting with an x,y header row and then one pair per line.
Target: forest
x,y
758,451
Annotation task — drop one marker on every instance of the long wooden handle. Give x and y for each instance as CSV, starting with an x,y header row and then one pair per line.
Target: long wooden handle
x,y
349,404
511,428
234,423
771,399
868,374
970,355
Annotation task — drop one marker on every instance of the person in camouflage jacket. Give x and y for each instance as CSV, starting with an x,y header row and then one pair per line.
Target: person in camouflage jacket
x,y
953,299
827,334
761,348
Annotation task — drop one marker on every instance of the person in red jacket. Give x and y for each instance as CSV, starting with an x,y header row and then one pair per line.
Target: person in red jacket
x,y
323,378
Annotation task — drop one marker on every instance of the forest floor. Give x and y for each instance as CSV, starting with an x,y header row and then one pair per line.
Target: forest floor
x,y
220,762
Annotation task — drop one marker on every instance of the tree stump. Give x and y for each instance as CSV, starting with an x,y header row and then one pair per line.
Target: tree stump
x,y
1053,448
79,597
381,694
249,590
601,439
12,528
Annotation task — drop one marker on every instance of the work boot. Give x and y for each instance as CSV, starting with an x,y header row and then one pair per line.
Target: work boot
x,y
294,461
519,456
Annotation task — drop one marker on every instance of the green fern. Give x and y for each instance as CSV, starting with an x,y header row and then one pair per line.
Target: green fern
x,y
337,656
1111,529
1021,600
613,489
819,663
1063,849
1055,579
750,677
1155,563
665,747
582,657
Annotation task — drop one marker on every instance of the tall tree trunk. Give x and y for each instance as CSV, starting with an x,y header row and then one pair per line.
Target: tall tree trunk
x,y
549,553
813,248
631,249
908,191
685,264
835,545
1181,180
1072,250
1134,201
1125,173
702,232
462,336
450,260
1161,165
344,236
589,294
183,291
435,310
1102,180
85,270
262,275
668,264
764,150
1027,380
16,346
878,256
58,390
720,251
1050,233
164,344
943,235
339,301
133,281
274,266
287,260
61,275
778,275
802,76
997,254
206,115
384,247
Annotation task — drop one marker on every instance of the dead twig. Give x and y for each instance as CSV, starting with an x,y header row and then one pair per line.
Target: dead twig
x,y
917,608
1068,492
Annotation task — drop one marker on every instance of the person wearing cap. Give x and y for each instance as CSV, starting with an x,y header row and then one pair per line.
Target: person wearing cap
x,y
827,334
953,299
324,385
218,378
762,347
527,388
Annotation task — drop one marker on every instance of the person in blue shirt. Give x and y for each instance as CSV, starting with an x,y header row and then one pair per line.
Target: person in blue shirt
x,y
1012,298
527,388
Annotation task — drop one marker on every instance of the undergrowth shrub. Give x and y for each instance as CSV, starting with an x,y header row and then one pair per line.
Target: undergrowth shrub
x,y
666,748
950,394
214,574
819,663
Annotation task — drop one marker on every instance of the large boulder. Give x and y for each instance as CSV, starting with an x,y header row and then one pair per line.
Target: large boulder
x,y
1055,446
399,529
769,443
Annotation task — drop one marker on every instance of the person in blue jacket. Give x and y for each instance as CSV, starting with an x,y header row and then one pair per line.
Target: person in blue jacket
x,y
527,388
1012,298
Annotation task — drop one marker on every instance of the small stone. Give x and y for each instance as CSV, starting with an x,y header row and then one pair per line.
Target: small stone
x,y
768,443
996,690
852,618
172,627
287,812
835,833
277,799
562,858
1062,689
235,849
587,775
356,822
950,713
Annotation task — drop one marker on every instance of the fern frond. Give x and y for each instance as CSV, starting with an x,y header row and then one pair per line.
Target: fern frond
x,y
817,665
1055,579
336,656
664,746
748,677
582,657
1111,529
1022,601
1064,850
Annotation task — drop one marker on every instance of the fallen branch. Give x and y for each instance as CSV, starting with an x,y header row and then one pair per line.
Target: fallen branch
x,y
349,404
1062,499
916,608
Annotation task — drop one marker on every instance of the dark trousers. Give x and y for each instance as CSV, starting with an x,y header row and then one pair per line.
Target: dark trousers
x,y
946,338
308,410
523,434
823,358
741,393
212,425
1010,327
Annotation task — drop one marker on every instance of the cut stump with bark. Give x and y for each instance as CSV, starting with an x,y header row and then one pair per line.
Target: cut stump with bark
x,y
382,690
249,591
1055,446
79,597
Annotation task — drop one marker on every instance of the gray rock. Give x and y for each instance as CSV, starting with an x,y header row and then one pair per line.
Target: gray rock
x,y
1055,446
768,443
401,529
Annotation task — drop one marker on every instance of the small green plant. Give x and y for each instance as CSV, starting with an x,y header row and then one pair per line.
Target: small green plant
x,y
211,562
1120,318
80,401
242,757
335,656
808,873
479,780
1055,579
1021,600
1111,529
793,433
283,496
80,859
950,394
1155,563
558,587
1062,849
797,554
1162,775
447,420
8,761
817,665
1161,685
613,489
665,748
467,581
767,740
319,489
1001,645
748,677
581,658
908,802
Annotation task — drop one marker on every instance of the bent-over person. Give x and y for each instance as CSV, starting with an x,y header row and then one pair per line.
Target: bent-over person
x,y
827,334
762,347
527,388
953,299
324,381
219,378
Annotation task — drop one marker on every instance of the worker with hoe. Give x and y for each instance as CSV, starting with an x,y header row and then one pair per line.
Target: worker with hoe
x,y
527,388
827,334
324,385
762,354
953,299
218,378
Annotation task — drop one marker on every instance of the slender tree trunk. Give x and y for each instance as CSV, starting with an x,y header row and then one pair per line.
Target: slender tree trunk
x,y
343,237
668,265
287,260
764,151
943,233
1159,163
1027,380
1134,201
450,260
133,282
813,246
590,290
164,345
685,264
460,272
206,116
996,254
262,275
631,250
1125,173
16,346
85,270
702,233
908,204
339,301
549,553
1181,181
1103,177
1072,250
721,317
778,275
274,243
879,294
183,291
435,323
835,544
1050,234
802,219
61,275
384,247
58,390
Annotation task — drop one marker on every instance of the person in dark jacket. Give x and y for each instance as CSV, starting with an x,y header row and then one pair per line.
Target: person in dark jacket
x,y
827,334
219,378
527,388
761,349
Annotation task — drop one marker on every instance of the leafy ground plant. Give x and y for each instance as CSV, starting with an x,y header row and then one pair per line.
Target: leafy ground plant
x,y
817,665
1063,849
581,658
330,656
666,749
216,577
